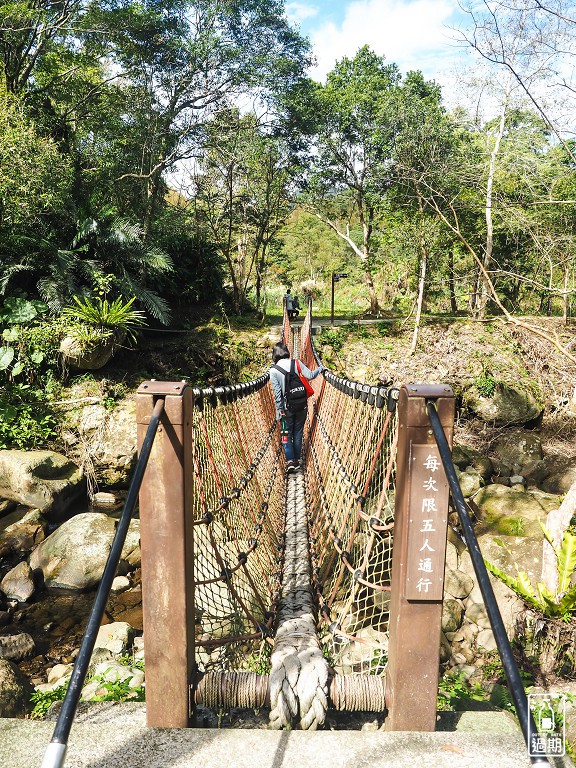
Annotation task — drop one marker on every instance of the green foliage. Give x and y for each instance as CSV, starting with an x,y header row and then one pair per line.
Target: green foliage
x,y
35,347
378,661
29,342
501,697
454,692
34,181
511,526
117,690
43,700
108,690
128,660
491,668
116,318
358,330
486,384
334,338
18,311
562,604
26,418
261,662
114,392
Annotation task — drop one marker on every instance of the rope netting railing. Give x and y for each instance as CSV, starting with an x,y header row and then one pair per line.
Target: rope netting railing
x,y
275,557
350,477
238,522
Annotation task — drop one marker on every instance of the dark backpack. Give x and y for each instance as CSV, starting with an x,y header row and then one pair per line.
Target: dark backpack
x,y
294,391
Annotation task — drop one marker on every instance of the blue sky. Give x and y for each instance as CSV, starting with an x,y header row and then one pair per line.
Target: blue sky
x,y
415,34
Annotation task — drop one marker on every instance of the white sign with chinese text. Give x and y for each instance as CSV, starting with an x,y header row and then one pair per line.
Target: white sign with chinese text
x,y
428,518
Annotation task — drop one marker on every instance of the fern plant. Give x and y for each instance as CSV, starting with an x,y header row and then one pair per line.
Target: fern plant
x,y
561,604
115,318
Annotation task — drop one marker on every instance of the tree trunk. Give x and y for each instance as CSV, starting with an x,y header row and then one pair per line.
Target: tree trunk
x,y
421,283
566,297
489,248
452,283
474,294
365,214
374,306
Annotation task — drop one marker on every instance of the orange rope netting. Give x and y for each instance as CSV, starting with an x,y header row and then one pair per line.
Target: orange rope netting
x,y
239,515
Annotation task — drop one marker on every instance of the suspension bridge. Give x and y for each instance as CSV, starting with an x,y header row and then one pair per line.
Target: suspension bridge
x,y
294,593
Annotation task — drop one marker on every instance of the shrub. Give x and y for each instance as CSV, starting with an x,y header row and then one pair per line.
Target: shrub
x,y
115,318
26,419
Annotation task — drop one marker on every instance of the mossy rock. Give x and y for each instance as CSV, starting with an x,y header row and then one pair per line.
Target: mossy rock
x,y
509,512
77,354
508,404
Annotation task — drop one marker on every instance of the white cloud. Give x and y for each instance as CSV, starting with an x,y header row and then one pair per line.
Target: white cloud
x,y
413,34
297,12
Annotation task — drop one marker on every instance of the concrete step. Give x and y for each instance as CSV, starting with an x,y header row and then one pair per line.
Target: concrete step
x,y
111,735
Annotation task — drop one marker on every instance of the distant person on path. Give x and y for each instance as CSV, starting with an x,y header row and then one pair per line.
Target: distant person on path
x,y
295,307
289,299
294,420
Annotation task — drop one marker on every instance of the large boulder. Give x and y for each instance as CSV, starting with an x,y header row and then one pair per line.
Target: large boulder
x,y
509,603
561,477
521,453
74,556
470,482
465,457
111,440
115,638
508,404
44,480
15,691
24,534
86,357
18,584
505,552
510,512
16,647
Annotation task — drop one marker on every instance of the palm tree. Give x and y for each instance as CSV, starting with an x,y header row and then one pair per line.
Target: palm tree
x,y
109,252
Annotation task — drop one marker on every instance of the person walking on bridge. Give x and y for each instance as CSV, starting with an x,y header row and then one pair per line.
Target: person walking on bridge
x,y
289,301
292,409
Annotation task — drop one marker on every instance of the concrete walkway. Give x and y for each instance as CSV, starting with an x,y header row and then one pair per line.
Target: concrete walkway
x,y
115,736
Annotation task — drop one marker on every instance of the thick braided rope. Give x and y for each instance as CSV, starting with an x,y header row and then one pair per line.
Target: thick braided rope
x,y
299,675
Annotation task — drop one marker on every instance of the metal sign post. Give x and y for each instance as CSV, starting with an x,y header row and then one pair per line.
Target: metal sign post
x,y
336,276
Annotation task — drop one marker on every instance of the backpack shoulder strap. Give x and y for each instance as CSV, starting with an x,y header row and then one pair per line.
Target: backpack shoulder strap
x,y
278,368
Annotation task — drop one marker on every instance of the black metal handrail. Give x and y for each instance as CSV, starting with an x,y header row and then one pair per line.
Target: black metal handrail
x,y
56,750
530,732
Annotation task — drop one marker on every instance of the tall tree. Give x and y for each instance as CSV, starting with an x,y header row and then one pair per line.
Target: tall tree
x,y
34,195
535,45
425,138
355,142
185,62
243,193
31,33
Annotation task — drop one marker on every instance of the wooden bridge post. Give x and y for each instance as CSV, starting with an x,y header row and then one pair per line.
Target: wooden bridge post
x,y
420,529
167,555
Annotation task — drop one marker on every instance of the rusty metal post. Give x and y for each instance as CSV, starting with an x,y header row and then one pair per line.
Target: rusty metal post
x,y
167,555
420,529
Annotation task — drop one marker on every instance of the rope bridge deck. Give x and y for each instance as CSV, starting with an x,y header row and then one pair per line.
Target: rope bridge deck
x,y
269,589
